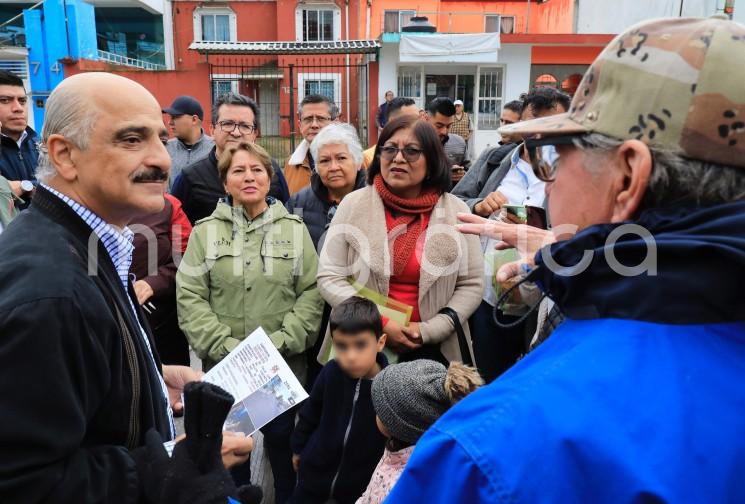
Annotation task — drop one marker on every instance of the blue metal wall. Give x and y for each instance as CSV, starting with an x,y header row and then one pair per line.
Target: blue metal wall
x,y
52,36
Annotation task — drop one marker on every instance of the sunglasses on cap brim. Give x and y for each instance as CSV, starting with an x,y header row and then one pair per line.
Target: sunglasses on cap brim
x,y
538,141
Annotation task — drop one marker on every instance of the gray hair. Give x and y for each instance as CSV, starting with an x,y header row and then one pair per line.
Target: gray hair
x,y
676,180
338,133
238,100
70,114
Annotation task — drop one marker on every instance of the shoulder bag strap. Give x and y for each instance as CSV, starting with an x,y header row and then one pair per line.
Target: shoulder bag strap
x,y
465,351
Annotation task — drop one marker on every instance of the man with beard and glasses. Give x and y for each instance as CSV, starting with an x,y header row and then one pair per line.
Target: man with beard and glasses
x,y
81,384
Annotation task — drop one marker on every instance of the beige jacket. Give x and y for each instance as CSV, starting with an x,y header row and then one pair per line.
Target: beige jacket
x,y
452,272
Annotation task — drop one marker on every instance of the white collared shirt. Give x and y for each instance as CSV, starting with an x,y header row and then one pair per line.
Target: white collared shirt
x,y
521,186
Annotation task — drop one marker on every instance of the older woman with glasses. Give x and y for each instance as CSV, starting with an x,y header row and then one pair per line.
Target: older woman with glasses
x,y
396,238
252,264
338,157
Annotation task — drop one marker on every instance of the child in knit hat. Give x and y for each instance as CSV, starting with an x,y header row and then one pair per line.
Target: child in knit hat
x,y
409,398
336,443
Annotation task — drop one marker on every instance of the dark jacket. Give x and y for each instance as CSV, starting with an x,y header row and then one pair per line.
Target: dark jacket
x,y
636,397
485,175
77,388
313,205
161,313
199,187
19,164
336,405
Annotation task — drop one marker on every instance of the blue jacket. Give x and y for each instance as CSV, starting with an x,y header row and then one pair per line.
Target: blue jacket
x,y
337,438
638,396
19,164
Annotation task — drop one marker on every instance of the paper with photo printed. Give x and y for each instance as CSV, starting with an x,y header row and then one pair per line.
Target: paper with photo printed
x,y
261,382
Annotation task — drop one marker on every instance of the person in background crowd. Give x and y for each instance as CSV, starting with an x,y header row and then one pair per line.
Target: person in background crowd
x,y
338,155
154,271
189,144
513,182
8,201
396,108
479,192
338,158
8,209
336,443
18,141
637,395
415,264
262,273
441,115
511,114
409,398
315,112
474,180
80,384
382,117
462,124
235,119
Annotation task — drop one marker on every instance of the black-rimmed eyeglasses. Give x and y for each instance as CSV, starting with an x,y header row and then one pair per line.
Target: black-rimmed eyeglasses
x,y
243,128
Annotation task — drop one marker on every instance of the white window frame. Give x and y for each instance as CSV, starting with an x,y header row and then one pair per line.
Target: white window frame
x,y
478,98
232,78
400,12
314,76
215,11
499,22
335,35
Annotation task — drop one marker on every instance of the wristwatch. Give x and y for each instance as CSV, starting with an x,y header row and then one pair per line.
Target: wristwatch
x,y
26,186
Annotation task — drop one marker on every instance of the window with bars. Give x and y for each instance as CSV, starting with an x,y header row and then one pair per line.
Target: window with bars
x,y
494,23
490,97
318,25
394,20
409,82
321,87
222,87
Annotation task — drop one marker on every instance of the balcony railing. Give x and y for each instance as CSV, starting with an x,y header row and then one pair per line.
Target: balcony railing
x,y
130,62
391,21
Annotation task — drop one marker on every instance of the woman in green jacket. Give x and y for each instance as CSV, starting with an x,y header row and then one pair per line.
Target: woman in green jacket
x,y
251,264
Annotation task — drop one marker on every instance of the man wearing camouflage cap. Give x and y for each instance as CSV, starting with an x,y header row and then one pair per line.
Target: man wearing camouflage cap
x,y
638,395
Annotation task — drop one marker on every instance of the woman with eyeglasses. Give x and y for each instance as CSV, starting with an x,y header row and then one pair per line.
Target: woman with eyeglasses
x,y
396,238
337,153
252,264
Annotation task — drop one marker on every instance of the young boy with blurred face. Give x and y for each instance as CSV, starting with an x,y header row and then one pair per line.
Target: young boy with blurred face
x,y
336,443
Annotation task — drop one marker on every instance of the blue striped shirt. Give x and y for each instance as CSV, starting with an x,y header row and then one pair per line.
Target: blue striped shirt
x,y
119,245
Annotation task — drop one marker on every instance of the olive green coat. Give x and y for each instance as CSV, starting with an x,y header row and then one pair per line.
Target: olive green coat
x,y
238,274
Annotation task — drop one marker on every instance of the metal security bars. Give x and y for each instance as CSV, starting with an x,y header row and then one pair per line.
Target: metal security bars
x,y
279,85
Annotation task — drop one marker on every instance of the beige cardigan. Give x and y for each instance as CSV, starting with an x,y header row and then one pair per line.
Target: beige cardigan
x,y
452,272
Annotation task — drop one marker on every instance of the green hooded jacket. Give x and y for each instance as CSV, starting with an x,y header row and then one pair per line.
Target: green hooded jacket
x,y
238,274
8,208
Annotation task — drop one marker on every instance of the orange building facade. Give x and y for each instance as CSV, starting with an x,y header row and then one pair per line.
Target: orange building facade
x,y
350,51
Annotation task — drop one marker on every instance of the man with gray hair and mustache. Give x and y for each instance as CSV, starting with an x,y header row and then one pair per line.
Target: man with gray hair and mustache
x,y
84,400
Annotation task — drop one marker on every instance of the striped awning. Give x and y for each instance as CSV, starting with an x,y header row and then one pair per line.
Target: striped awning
x,y
286,48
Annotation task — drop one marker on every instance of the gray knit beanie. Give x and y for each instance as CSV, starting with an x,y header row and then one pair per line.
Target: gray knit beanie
x,y
409,397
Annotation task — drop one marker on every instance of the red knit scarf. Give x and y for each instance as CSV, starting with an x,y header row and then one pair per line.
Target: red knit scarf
x,y
409,212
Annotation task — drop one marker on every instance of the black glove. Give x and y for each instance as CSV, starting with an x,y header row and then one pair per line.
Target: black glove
x,y
195,473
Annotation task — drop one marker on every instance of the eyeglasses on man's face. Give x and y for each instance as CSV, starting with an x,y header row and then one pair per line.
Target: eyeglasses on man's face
x,y
410,154
243,128
320,119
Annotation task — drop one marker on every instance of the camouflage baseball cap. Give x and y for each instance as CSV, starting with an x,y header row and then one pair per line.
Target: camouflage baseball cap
x,y
672,83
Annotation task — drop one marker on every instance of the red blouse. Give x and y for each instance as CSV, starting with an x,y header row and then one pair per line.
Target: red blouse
x,y
405,286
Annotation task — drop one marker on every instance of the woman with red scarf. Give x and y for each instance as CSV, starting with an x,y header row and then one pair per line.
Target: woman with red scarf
x,y
397,238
